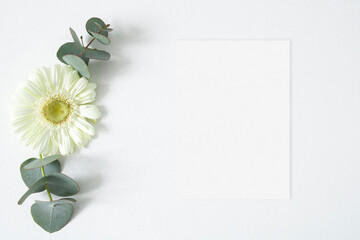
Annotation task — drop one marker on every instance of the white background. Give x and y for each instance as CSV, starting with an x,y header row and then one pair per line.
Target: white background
x,y
127,171
233,119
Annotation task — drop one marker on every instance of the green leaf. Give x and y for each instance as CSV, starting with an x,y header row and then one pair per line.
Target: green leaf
x,y
52,216
97,54
92,27
100,28
36,163
78,64
30,176
108,30
38,186
101,38
65,200
58,183
61,185
76,40
70,48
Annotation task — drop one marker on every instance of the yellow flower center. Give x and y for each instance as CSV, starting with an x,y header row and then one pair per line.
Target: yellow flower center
x,y
56,111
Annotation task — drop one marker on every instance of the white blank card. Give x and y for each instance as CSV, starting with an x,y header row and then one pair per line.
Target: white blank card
x,y
233,119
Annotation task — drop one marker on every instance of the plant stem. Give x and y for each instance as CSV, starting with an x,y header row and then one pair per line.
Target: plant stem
x,y
93,39
46,186
90,43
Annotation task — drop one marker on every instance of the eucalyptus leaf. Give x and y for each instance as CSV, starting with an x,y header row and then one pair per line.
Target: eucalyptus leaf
x,y
97,54
78,64
52,216
38,186
76,40
36,163
58,183
99,26
66,200
30,176
101,38
92,27
70,48
61,185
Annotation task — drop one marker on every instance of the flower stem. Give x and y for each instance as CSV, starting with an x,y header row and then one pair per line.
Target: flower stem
x,y
46,186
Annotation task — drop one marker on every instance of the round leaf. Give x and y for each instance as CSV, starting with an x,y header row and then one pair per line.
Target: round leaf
x,y
101,38
61,185
70,48
52,216
92,27
97,54
100,28
78,64
38,186
30,176
36,163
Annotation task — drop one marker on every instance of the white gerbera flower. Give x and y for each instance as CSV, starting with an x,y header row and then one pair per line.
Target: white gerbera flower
x,y
52,110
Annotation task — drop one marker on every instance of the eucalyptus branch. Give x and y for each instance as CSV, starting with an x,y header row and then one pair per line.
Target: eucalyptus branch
x,y
44,173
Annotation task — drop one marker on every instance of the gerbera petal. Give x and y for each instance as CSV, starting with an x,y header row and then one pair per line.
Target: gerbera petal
x,y
44,142
57,77
33,89
65,142
22,123
87,99
89,111
55,142
32,140
43,79
79,137
18,112
24,96
79,86
85,126
87,95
